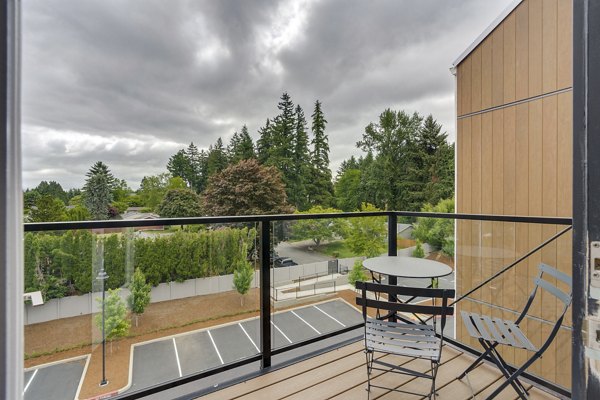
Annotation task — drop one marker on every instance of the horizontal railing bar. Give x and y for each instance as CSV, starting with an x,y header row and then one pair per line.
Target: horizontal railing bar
x,y
491,217
61,226
161,387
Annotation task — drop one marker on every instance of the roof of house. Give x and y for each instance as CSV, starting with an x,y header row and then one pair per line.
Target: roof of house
x,y
485,34
138,215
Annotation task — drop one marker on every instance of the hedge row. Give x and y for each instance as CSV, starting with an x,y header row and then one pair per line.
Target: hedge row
x,y
61,264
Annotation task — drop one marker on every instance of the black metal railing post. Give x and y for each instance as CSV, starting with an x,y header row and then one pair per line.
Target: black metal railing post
x,y
392,234
265,295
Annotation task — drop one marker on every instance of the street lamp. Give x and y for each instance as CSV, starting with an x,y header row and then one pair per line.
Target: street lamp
x,y
102,277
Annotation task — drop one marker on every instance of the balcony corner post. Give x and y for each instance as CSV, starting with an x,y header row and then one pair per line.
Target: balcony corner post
x,y
265,296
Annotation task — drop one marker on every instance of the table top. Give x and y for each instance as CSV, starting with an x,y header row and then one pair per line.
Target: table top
x,y
407,267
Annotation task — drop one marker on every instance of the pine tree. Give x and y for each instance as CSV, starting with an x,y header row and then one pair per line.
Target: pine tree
x,y
217,158
302,168
179,165
263,144
282,142
321,190
97,191
241,147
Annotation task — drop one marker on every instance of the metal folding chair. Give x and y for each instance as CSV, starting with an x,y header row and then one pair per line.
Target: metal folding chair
x,y
416,340
492,332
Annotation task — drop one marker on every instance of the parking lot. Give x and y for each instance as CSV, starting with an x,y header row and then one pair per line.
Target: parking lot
x,y
56,381
176,356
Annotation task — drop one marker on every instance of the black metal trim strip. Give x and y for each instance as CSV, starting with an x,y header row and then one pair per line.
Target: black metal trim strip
x,y
186,379
516,103
62,226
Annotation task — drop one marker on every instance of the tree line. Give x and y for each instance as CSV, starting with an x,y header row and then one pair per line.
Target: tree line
x,y
406,162
62,264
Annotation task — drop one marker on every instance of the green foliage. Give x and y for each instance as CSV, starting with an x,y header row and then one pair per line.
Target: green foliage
x,y
242,278
438,232
98,191
367,236
48,209
337,249
53,189
139,298
180,203
320,188
357,273
217,158
347,190
317,230
241,147
153,188
246,188
116,322
78,213
418,252
408,162
120,206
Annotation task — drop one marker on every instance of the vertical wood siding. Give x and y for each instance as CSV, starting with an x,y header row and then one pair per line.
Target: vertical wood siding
x,y
516,159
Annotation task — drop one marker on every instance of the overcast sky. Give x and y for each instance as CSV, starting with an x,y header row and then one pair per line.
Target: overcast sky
x,y
131,82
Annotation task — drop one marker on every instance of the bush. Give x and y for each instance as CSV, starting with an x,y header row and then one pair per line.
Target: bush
x,y
357,273
438,232
419,252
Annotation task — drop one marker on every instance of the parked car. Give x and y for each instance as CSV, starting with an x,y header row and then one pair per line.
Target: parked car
x,y
284,262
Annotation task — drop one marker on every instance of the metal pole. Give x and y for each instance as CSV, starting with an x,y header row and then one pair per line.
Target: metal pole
x,y
102,277
265,299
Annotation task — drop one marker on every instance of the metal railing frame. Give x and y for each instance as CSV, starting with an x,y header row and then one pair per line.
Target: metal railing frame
x,y
265,233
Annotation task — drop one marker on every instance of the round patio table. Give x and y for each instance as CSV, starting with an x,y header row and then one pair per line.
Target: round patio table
x,y
407,267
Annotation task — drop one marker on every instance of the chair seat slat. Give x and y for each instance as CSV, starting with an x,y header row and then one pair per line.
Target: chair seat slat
x,y
526,344
507,337
403,343
420,353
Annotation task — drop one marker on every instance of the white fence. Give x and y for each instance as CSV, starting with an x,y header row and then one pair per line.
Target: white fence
x,y
73,306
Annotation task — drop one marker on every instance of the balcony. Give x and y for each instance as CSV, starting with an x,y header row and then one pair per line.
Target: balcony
x,y
296,331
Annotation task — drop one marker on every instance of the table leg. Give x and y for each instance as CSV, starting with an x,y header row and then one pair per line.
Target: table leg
x,y
393,281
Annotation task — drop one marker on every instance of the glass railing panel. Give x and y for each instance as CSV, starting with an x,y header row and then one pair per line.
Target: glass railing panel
x,y
311,267
485,248
201,289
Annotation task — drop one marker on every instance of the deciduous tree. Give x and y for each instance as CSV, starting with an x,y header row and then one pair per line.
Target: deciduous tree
x,y
116,324
246,188
139,298
180,203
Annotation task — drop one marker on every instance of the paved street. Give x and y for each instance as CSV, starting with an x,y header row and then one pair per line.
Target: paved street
x,y
299,252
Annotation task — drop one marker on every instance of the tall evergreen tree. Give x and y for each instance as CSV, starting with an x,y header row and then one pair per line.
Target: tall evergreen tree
x,y
179,165
321,189
302,169
282,141
98,191
241,147
217,158
438,162
263,144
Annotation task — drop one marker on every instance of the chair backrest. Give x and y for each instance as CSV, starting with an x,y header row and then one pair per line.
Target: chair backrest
x,y
544,271
435,310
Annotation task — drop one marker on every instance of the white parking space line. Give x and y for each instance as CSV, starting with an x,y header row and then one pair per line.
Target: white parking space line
x,y
249,338
30,380
177,357
330,316
280,331
302,319
215,346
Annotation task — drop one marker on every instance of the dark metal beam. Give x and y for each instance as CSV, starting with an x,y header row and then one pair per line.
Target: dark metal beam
x,y
586,186
265,293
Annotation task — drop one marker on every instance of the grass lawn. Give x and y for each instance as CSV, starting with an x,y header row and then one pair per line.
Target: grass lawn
x,y
338,246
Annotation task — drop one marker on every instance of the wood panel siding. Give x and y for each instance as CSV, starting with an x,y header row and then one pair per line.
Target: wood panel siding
x,y
514,156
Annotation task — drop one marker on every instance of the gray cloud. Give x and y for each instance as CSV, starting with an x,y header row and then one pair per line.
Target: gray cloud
x,y
130,82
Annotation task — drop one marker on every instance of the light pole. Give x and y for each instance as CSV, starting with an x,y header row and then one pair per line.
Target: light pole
x,y
103,276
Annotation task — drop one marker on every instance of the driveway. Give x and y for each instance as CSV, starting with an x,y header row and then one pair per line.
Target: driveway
x,y
299,252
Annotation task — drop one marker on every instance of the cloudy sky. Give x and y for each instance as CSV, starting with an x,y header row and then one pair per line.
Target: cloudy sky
x,y
129,82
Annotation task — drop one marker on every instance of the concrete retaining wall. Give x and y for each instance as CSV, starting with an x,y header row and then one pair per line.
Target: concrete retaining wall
x,y
73,306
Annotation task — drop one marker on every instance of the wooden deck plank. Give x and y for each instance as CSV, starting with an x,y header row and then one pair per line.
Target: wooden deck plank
x,y
279,375
330,373
394,380
341,374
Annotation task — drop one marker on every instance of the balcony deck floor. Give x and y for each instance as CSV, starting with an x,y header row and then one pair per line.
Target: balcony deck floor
x,y
341,374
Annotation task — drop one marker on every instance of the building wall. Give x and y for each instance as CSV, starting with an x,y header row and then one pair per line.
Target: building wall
x,y
514,157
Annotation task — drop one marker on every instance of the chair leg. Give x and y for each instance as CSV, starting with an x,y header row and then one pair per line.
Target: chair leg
x,y
434,369
369,357
477,361
510,379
